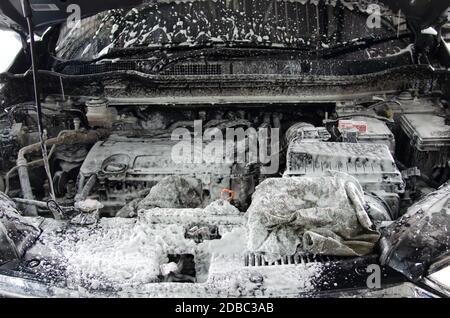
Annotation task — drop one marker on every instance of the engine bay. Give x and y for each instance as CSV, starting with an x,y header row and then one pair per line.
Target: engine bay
x,y
123,192
217,148
116,154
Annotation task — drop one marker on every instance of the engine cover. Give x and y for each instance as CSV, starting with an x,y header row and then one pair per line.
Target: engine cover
x,y
372,164
125,167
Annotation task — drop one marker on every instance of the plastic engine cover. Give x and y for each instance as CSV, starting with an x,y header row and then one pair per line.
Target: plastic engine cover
x,y
371,164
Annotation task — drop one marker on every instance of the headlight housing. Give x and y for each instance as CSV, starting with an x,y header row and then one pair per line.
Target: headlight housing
x,y
442,278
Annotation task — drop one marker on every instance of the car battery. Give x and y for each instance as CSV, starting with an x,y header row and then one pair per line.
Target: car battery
x,y
425,143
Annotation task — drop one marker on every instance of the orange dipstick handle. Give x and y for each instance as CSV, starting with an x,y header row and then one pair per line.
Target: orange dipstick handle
x,y
228,192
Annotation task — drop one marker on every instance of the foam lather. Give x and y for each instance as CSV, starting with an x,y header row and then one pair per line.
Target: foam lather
x,y
319,215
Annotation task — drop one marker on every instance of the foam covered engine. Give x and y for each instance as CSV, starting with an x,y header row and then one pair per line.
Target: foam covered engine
x,y
127,168
371,164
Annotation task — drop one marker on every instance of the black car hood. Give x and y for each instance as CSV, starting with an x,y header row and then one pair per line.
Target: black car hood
x,y
421,13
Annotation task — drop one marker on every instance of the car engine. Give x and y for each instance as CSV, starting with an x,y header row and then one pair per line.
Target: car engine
x,y
225,148
125,151
119,161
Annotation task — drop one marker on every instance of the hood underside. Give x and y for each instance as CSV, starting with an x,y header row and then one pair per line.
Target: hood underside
x,y
47,13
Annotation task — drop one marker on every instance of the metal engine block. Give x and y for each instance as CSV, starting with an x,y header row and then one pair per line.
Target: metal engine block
x,y
127,167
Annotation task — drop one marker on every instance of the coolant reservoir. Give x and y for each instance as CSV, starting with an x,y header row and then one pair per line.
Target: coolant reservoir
x,y
99,114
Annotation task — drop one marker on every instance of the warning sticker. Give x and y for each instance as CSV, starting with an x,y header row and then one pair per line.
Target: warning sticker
x,y
361,126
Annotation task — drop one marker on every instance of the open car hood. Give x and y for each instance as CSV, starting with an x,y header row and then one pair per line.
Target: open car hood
x,y
46,13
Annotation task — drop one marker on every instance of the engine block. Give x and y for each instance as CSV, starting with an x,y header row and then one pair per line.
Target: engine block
x,y
127,166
